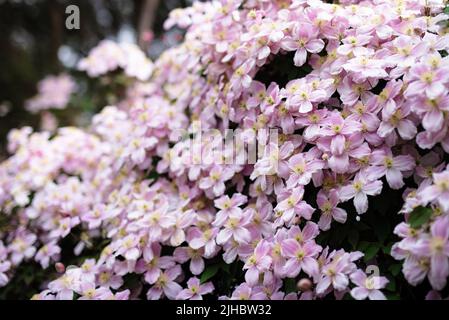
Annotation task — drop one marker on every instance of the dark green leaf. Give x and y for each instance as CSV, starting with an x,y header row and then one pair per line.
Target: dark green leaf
x,y
395,269
290,285
419,216
209,272
387,249
391,286
371,251
393,296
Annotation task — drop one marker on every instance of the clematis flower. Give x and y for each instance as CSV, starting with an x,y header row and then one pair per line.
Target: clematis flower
x,y
152,264
437,249
303,40
364,65
245,292
216,179
360,189
195,290
241,78
257,263
303,166
329,210
395,117
228,206
183,254
166,285
50,251
424,79
292,205
438,191
391,167
368,287
300,257
236,226
198,239
337,267
22,248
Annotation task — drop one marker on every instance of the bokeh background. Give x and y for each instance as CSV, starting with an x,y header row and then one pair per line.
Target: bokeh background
x,y
34,43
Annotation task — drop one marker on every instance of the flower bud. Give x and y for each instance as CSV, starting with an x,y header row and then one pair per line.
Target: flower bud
x,y
60,268
304,285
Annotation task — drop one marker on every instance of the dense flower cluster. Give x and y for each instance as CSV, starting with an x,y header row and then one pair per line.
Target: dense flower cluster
x,y
109,56
367,111
54,92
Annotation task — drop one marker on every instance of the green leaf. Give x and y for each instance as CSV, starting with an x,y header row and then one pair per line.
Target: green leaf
x,y
395,269
446,10
225,267
391,286
371,251
290,285
209,272
419,216
393,296
387,248
363,245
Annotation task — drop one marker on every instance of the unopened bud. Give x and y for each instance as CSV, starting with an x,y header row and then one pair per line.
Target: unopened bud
x,y
304,285
60,268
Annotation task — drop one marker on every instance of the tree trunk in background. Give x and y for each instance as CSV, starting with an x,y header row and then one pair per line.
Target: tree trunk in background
x,y
146,20
57,23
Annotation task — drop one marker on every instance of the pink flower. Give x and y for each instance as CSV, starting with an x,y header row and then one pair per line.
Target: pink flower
x,y
391,167
337,266
308,233
395,117
137,148
95,217
259,262
236,227
292,205
360,189
245,292
184,219
152,263
350,92
352,42
368,287
364,65
300,257
166,285
22,248
301,95
438,191
329,210
303,40
128,247
303,166
183,254
49,251
216,179
195,290
241,78
4,268
90,292
228,206
437,249
425,79
198,239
